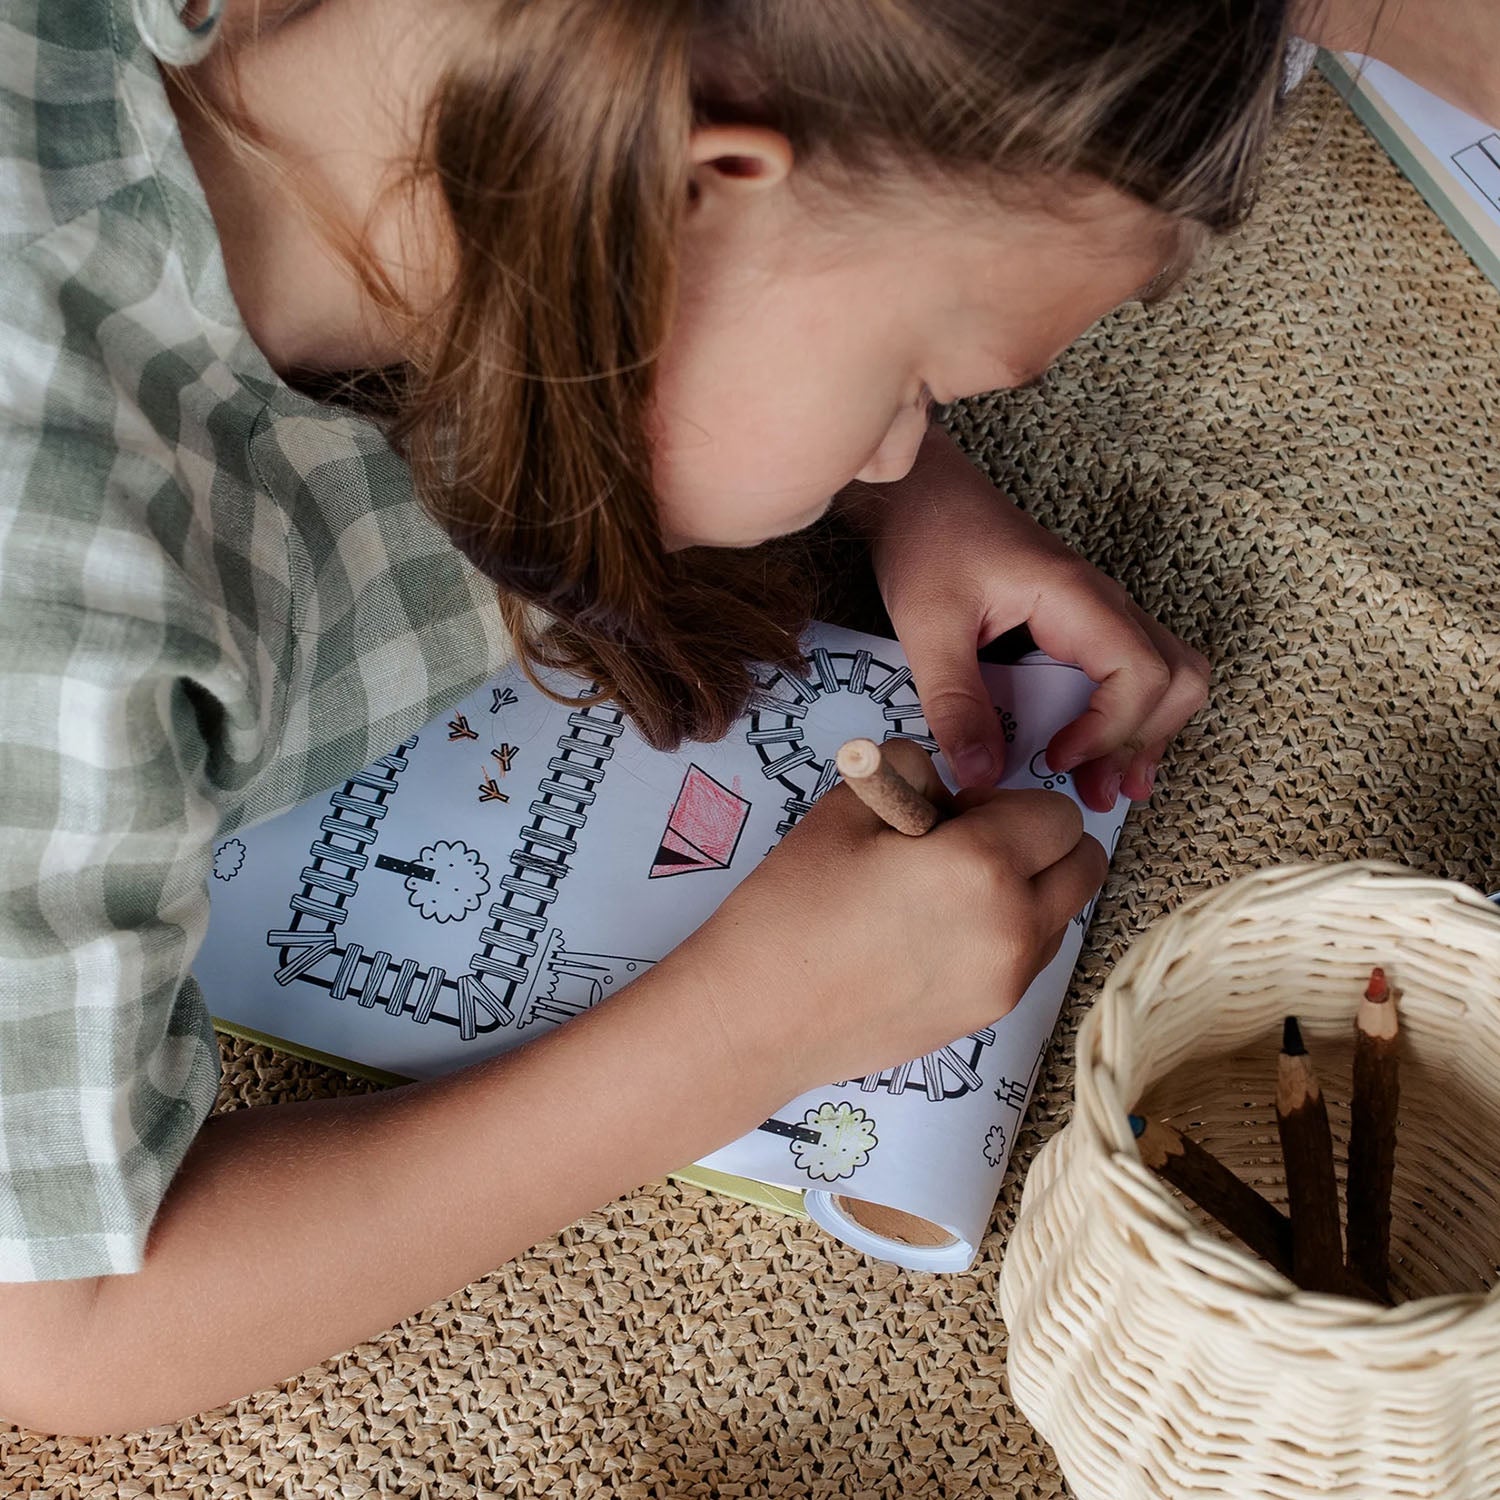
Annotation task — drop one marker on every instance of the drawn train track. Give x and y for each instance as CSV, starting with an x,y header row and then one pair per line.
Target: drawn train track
x,y
485,997
778,709
523,972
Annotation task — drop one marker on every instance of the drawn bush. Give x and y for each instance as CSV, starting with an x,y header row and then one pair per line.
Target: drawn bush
x,y
460,880
846,1137
228,858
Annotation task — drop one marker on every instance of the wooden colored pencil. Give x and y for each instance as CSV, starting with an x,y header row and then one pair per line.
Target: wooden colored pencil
x,y
883,789
1311,1182
1372,1134
1196,1172
1199,1174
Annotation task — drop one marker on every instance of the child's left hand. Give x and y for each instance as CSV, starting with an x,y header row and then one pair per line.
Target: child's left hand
x,y
958,565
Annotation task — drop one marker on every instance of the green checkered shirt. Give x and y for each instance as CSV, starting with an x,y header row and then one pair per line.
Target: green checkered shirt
x,y
217,598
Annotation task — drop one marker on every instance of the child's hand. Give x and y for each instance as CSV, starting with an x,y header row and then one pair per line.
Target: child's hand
x,y
853,948
959,565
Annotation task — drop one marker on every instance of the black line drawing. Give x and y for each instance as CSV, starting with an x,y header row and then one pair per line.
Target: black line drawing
x,y
458,729
489,791
1014,1093
564,795
1050,779
995,1145
459,880
948,1073
846,1137
791,1132
1480,163
775,723
569,982
481,1000
778,709
228,858
404,867
503,698
1011,1092
703,829
1007,724
505,754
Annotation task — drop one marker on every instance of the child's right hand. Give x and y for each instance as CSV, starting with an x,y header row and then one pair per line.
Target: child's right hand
x,y
853,948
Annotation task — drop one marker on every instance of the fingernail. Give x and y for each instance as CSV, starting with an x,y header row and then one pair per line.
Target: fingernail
x,y
1067,763
1112,787
974,764
1149,777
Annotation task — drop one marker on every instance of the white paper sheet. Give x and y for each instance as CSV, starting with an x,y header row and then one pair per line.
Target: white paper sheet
x,y
1467,146
518,861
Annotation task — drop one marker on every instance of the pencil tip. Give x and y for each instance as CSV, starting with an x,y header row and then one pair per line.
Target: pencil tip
x,y
1137,1126
1291,1038
1377,989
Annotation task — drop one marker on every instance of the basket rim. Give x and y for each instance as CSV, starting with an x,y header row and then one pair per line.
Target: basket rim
x,y
1226,1275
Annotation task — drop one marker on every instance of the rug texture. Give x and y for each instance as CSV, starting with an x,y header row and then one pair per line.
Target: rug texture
x,y
1293,464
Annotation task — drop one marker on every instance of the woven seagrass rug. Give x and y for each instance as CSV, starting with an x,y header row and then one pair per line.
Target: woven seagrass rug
x,y
1291,463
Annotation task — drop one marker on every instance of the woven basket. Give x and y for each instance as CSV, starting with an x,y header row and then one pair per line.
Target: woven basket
x,y
1159,1357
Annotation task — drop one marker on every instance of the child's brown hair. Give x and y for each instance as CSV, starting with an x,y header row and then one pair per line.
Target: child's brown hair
x,y
560,145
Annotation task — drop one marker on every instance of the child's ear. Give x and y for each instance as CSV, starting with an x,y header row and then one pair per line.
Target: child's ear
x,y
735,160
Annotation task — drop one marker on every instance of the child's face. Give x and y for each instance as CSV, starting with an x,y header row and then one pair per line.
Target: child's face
x,y
811,339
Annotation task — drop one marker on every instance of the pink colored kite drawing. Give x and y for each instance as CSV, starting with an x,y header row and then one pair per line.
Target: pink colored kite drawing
x,y
703,829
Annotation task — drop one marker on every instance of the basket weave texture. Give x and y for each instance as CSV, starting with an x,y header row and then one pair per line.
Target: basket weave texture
x,y
1292,464
1163,1360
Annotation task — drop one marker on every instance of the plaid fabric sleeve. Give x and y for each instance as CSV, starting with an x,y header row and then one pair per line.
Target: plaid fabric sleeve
x,y
216,598
108,1063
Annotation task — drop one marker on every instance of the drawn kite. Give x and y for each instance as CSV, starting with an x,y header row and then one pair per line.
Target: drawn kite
x,y
703,829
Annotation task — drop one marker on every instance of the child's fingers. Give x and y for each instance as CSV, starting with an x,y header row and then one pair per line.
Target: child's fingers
x,y
1129,769
1185,695
1067,885
1139,779
1119,654
1123,755
1025,830
944,658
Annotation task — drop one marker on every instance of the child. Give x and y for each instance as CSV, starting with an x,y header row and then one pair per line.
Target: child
x,y
636,286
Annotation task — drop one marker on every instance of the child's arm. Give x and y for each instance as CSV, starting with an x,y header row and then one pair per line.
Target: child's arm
x,y
295,1231
1451,47
958,564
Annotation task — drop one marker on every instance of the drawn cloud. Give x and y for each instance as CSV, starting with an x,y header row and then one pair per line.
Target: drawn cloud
x,y
460,879
995,1145
846,1137
228,858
